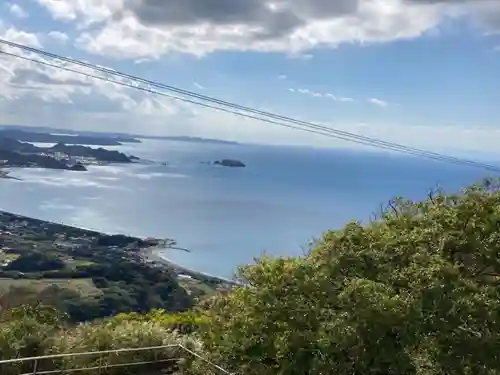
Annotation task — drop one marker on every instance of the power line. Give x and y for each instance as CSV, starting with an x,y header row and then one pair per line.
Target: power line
x,y
331,132
352,137
302,125
165,94
341,134
414,152
209,106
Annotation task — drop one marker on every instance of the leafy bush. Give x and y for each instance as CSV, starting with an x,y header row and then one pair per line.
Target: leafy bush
x,y
35,261
26,332
115,240
38,330
415,292
185,323
108,335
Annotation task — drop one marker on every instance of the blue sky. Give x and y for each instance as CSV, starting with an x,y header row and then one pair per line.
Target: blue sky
x,y
420,72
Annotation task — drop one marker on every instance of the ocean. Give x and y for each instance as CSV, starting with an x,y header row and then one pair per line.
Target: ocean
x,y
286,197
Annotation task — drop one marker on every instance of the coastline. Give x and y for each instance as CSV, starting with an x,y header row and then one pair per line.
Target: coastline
x,y
149,254
5,174
153,255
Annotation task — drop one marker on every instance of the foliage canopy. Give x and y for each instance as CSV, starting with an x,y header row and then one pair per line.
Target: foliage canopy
x,y
414,292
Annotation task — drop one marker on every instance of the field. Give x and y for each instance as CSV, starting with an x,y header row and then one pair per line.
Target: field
x,y
196,288
83,286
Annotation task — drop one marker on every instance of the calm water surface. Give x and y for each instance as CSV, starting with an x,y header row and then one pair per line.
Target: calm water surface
x,y
284,198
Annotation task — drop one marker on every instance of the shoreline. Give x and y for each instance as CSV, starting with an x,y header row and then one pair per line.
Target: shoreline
x,y
55,223
5,174
152,254
149,253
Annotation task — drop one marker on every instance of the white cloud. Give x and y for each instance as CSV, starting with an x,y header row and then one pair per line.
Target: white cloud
x,y
59,36
148,29
328,95
125,110
198,86
17,11
43,88
61,10
18,36
300,26
282,76
87,12
344,99
339,98
380,103
309,92
58,97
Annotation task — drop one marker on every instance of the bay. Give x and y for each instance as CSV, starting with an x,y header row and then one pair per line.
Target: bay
x,y
227,216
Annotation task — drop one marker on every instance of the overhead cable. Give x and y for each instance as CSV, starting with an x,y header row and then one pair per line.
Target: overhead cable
x,y
223,105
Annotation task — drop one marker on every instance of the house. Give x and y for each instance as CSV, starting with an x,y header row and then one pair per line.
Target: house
x,y
66,245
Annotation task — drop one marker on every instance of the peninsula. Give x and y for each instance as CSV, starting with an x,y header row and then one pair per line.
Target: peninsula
x,y
14,153
93,139
189,139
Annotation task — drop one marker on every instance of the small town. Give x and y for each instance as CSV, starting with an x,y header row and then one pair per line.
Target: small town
x,y
15,151
38,255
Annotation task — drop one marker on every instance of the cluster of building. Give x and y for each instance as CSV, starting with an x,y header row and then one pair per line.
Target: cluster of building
x,y
61,156
16,229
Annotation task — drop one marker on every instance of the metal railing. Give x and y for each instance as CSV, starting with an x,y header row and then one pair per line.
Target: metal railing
x,y
101,367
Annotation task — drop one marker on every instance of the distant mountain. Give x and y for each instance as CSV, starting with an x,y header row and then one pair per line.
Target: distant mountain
x,y
25,136
49,135
17,159
103,138
14,145
188,139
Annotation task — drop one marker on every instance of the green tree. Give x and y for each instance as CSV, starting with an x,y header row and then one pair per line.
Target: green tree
x,y
64,300
414,292
26,331
35,261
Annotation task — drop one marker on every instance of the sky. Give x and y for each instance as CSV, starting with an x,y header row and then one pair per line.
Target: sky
x,y
423,73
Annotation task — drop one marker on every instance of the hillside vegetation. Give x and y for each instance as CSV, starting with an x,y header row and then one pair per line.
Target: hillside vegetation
x,y
415,291
38,330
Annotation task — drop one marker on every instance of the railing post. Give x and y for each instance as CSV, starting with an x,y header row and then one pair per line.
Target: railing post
x,y
104,364
35,365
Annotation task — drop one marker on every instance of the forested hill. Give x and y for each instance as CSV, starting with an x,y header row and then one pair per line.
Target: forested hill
x,y
14,153
86,274
32,136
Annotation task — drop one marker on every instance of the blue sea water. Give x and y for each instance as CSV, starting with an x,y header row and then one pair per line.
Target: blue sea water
x,y
227,216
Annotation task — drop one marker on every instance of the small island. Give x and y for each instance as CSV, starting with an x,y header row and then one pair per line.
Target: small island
x,y
78,167
230,163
